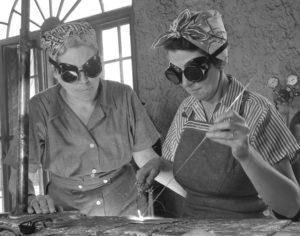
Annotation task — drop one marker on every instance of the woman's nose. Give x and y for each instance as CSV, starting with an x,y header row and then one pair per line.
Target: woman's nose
x,y
83,77
185,82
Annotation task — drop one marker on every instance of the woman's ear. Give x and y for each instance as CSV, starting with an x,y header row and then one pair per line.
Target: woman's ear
x,y
54,71
55,75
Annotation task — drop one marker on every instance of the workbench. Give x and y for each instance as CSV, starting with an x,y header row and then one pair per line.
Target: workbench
x,y
70,223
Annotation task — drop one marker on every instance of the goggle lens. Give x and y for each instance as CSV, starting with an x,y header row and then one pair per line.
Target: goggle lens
x,y
69,76
70,73
93,67
194,71
174,75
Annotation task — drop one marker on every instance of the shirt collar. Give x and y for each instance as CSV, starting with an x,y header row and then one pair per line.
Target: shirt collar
x,y
106,98
233,91
191,104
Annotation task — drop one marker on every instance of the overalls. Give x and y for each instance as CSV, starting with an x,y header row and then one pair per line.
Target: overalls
x,y
215,182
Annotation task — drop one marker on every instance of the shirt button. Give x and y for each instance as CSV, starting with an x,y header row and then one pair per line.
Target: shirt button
x,y
92,145
105,181
266,212
80,186
92,175
98,202
94,171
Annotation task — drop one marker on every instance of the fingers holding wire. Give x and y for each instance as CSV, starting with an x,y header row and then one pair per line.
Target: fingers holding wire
x,y
228,131
231,130
229,125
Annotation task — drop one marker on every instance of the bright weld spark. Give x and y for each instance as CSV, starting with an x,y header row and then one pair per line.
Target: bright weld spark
x,y
141,217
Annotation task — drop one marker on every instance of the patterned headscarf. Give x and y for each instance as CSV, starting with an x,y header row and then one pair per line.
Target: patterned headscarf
x,y
53,40
204,29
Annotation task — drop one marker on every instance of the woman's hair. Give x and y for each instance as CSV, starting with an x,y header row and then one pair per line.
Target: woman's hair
x,y
76,42
173,44
181,43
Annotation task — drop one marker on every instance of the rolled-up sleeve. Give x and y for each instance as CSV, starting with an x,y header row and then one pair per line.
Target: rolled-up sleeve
x,y
272,138
142,129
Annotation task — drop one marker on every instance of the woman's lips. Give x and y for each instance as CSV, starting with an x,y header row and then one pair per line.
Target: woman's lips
x,y
194,90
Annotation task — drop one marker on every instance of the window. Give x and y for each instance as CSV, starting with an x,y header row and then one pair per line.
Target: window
x,y
41,10
33,75
117,54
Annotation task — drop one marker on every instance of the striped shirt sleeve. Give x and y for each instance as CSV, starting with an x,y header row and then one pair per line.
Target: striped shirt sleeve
x,y
270,136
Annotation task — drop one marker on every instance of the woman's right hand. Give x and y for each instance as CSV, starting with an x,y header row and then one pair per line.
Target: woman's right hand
x,y
40,204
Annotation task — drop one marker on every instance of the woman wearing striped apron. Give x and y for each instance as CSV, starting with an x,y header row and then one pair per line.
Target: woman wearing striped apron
x,y
229,147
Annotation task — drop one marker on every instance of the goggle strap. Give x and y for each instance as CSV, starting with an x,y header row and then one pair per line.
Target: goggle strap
x,y
56,65
220,49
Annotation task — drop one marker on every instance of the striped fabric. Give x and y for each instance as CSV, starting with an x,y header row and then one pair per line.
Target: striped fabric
x,y
199,125
268,133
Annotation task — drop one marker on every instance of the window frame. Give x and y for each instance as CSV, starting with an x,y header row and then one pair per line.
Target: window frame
x,y
5,137
112,19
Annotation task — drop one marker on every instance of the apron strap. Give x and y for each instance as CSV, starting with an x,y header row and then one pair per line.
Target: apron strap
x,y
244,99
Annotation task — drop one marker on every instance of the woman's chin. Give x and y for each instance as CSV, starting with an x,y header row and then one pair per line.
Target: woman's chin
x,y
198,95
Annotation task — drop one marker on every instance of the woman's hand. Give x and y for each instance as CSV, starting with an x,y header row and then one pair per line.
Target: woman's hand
x,y
146,174
40,204
231,129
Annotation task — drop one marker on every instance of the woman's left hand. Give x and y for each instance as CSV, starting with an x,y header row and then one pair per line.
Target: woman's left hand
x,y
146,174
231,129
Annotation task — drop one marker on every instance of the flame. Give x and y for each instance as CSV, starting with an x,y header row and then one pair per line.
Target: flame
x,y
139,218
142,219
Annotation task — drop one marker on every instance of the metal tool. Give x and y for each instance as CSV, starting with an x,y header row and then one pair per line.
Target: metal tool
x,y
31,226
144,189
140,198
150,207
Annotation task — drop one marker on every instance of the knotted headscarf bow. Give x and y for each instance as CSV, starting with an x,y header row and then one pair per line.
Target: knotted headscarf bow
x,y
204,29
53,40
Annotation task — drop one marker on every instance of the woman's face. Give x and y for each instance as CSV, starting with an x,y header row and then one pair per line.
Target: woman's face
x,y
84,87
203,90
